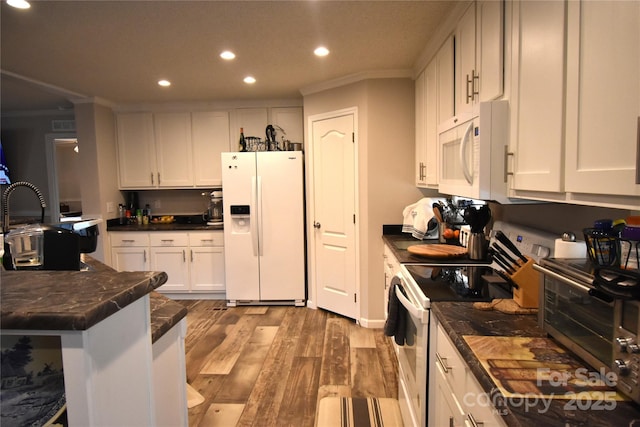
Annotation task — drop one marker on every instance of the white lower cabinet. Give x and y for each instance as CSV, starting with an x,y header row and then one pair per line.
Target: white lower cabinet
x,y
391,268
130,251
457,397
194,261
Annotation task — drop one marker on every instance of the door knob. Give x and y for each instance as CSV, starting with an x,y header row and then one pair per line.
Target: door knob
x,y
316,224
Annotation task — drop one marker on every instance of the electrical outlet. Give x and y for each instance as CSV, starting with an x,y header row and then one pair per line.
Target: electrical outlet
x,y
156,204
111,207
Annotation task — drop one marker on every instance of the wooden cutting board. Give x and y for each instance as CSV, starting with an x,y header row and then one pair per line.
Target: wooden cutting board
x,y
437,250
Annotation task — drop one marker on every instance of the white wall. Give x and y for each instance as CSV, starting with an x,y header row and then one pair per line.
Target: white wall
x,y
385,169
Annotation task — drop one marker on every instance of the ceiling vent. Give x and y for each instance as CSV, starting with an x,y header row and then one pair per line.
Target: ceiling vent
x,y
63,125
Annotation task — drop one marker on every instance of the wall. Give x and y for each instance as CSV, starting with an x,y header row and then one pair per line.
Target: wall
x,y
385,169
23,142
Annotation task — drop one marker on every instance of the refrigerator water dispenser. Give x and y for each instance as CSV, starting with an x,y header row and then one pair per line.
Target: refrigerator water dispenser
x,y
240,219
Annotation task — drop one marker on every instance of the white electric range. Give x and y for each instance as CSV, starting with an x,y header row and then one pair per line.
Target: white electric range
x,y
427,281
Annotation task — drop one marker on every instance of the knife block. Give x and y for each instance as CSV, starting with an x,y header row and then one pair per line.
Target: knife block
x,y
528,281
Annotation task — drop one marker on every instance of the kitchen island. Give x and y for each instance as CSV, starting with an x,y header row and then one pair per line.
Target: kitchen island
x,y
122,344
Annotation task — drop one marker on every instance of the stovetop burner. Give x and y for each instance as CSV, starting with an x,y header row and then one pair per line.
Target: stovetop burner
x,y
445,284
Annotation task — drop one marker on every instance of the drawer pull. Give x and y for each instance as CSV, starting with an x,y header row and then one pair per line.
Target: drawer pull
x,y
473,421
166,240
441,361
128,240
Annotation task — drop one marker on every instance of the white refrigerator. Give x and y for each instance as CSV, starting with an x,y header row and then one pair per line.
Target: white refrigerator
x,y
264,245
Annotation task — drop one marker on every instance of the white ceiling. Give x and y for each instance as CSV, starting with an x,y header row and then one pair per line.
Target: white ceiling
x,y
117,50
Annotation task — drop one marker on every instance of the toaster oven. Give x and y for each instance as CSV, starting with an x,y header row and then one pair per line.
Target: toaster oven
x,y
599,327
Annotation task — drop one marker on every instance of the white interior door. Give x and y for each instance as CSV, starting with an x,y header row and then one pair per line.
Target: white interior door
x,y
334,214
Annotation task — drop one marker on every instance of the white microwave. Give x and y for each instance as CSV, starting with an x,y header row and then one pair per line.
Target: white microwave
x,y
472,153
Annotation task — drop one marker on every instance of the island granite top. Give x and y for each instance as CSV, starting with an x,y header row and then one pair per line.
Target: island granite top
x,y
71,300
459,319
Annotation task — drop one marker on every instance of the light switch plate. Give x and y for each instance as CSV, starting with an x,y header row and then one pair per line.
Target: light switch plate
x,y
110,207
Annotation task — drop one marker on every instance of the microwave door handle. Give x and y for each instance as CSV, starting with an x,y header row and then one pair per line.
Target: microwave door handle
x,y
463,159
412,309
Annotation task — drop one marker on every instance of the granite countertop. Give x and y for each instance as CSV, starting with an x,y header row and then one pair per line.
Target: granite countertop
x,y
77,300
459,319
182,223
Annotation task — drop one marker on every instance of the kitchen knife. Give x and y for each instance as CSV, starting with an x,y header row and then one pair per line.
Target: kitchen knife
x,y
501,261
507,279
509,244
505,255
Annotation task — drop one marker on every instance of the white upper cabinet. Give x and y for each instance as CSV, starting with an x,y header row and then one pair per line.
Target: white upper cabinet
x,y
537,95
576,102
136,150
173,149
210,137
290,120
254,122
479,51
421,128
434,103
603,99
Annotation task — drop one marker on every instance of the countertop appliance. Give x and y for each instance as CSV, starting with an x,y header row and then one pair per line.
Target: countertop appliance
x,y
472,147
264,244
444,280
601,327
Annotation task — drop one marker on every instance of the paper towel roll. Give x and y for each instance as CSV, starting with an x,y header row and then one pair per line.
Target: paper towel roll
x,y
564,249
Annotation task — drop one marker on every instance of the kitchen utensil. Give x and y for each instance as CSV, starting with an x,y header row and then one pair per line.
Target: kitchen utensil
x,y
509,244
477,246
499,259
505,255
477,218
437,250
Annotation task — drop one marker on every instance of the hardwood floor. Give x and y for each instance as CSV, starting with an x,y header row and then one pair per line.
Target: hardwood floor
x,y
270,366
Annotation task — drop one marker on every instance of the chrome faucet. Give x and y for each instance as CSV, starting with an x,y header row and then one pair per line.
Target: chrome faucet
x,y
5,202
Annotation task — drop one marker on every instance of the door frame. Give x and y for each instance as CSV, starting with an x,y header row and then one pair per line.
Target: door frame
x,y
310,205
51,141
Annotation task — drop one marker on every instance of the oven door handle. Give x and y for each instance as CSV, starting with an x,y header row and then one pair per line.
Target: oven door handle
x,y
420,313
578,286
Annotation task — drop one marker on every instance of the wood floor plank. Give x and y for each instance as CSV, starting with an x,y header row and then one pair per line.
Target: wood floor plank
x,y
360,337
366,373
225,355
241,379
280,361
265,400
311,341
208,386
222,415
301,393
335,355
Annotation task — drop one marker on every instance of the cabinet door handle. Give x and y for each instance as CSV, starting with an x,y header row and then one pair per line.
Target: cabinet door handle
x,y
451,422
473,421
441,361
507,153
144,252
638,154
152,183
184,256
158,178
475,79
469,82
192,255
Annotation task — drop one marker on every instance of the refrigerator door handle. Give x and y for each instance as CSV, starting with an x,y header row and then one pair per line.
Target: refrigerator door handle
x,y
259,216
253,216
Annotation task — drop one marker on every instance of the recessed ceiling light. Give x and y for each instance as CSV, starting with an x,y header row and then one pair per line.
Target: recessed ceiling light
x,y
228,55
164,83
249,80
19,4
321,51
